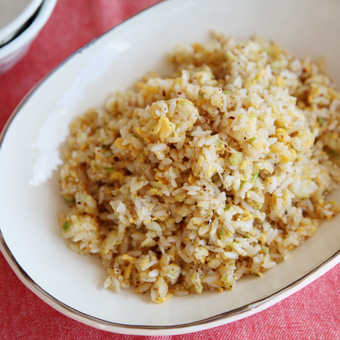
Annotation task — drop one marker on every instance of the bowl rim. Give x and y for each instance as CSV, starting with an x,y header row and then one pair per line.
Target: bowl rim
x,y
146,330
15,24
28,34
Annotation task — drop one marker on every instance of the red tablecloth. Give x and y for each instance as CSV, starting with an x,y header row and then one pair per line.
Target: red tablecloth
x,y
312,313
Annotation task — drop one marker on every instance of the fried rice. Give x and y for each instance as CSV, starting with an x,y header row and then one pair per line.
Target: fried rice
x,y
188,182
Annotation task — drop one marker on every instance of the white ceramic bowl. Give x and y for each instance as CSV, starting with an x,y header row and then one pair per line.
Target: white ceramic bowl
x,y
30,157
15,49
14,15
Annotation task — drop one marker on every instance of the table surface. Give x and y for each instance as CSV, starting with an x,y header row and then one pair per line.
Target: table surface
x,y
311,313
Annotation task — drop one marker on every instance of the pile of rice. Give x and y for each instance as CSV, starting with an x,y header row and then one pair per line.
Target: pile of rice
x,y
187,183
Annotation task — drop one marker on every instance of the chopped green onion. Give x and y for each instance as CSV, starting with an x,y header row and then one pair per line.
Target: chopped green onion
x,y
227,207
243,183
198,290
110,169
133,135
278,64
303,197
221,233
225,92
292,100
334,153
321,120
252,139
265,249
67,224
214,178
256,174
69,199
224,279
235,158
201,95
182,103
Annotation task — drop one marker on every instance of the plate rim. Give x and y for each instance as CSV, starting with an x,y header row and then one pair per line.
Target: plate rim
x,y
214,321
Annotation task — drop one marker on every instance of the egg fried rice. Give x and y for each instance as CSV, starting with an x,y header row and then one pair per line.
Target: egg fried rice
x,y
188,182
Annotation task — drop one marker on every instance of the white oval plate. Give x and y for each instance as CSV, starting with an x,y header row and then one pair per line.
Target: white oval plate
x,y
29,157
